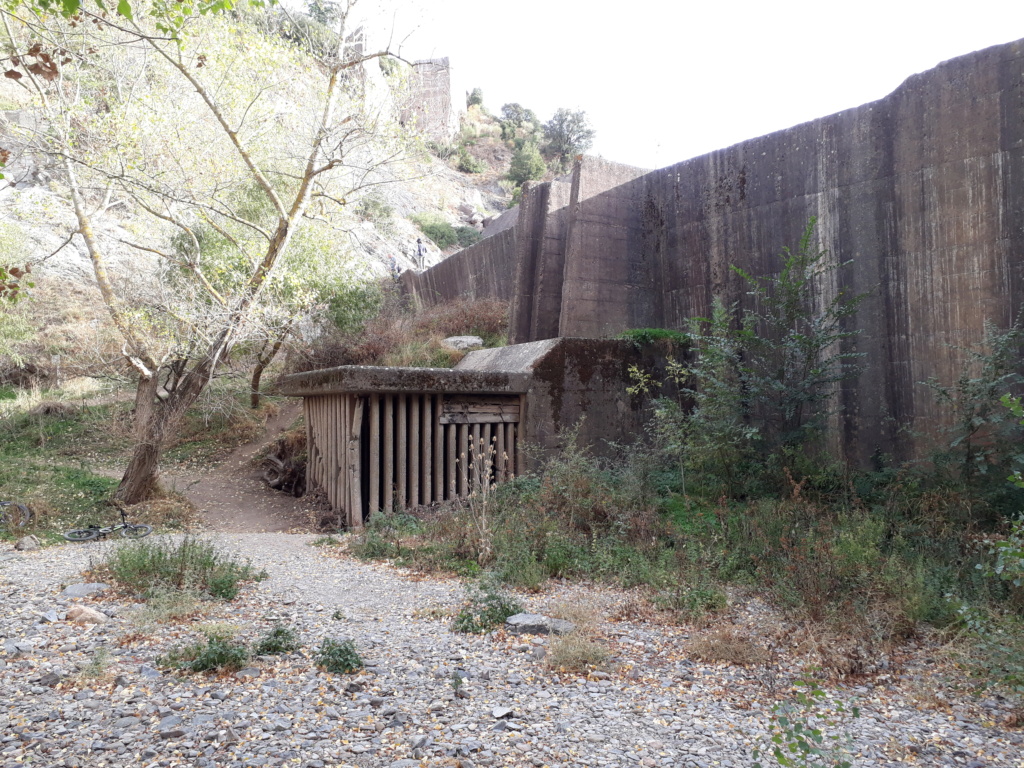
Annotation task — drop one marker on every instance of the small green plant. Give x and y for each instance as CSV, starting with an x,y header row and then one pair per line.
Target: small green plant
x,y
798,736
457,681
325,541
436,228
277,641
468,163
338,657
338,615
527,164
641,337
97,666
215,654
487,607
983,433
475,97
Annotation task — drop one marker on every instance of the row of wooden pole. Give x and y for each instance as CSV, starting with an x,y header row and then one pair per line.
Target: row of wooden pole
x,y
412,459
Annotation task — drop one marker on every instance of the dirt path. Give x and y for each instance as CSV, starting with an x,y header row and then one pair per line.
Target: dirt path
x,y
232,498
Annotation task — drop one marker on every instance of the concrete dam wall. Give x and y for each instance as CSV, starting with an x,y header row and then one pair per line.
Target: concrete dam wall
x,y
922,193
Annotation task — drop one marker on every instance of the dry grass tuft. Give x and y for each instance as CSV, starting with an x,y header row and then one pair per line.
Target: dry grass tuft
x,y
584,615
729,645
54,408
167,509
576,652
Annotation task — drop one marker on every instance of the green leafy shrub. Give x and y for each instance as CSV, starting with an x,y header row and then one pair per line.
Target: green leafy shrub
x,y
191,564
444,234
642,337
487,607
277,641
468,163
338,657
802,732
214,654
527,164
475,97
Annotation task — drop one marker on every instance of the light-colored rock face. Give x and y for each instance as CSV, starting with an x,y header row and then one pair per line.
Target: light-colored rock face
x,y
463,343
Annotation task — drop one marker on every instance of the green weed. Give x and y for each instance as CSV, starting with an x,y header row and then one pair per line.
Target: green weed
x,y
192,564
338,657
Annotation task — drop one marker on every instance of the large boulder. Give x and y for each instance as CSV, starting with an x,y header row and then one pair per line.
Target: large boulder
x,y
536,624
463,343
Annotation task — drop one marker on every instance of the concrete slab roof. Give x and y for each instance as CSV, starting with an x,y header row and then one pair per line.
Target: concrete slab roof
x,y
365,379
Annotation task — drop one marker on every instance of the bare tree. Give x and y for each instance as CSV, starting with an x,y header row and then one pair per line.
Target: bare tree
x,y
201,123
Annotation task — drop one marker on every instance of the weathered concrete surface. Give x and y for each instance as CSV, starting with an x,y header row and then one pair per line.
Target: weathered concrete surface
x,y
577,384
435,104
922,192
482,271
368,378
515,358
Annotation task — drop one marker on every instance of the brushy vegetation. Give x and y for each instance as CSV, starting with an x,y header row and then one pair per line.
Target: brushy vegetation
x,y
339,657
57,447
190,564
219,651
733,487
440,231
487,606
279,640
398,336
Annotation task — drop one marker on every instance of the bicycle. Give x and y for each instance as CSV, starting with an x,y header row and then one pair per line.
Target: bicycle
x,y
14,515
126,529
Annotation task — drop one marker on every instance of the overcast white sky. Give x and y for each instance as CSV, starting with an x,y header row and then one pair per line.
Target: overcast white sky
x,y
665,81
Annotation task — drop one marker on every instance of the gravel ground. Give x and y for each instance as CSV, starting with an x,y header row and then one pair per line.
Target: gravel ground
x,y
655,706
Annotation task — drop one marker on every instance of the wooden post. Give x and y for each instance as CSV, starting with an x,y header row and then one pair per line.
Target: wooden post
x,y
488,457
477,458
374,453
464,459
427,449
438,451
499,452
510,451
402,453
389,452
414,451
354,468
453,461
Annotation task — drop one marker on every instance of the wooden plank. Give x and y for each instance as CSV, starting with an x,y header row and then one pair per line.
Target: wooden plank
x,y
414,450
438,452
355,480
389,452
453,462
402,453
427,449
478,418
463,459
343,456
374,467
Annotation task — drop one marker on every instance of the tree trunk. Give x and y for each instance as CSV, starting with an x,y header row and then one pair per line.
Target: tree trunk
x,y
261,365
254,385
154,421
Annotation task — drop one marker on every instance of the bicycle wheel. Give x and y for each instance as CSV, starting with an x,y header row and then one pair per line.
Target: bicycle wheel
x,y
82,534
136,531
14,515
